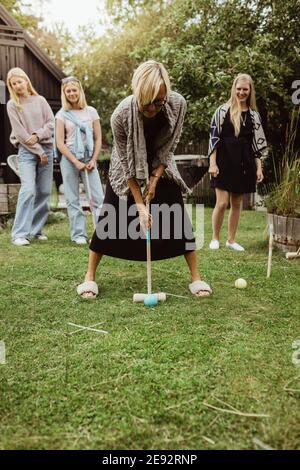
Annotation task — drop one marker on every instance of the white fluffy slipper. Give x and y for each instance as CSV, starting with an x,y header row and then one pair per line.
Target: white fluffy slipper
x,y
88,286
198,285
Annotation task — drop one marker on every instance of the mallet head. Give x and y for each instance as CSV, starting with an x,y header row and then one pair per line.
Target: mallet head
x,y
151,300
161,297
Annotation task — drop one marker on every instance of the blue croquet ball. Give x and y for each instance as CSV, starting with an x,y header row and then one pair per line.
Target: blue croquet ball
x,y
150,300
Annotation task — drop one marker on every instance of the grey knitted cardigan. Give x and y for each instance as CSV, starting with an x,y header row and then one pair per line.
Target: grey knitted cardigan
x,y
129,154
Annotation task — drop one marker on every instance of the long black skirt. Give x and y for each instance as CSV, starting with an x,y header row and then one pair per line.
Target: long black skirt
x,y
118,232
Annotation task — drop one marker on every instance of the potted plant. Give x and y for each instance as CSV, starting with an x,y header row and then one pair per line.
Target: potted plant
x,y
283,200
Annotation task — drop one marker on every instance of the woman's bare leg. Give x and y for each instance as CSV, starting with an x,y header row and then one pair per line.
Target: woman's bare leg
x,y
191,259
219,211
94,260
234,215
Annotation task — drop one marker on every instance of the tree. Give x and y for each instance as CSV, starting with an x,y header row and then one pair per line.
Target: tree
x,y
203,44
28,21
56,42
128,11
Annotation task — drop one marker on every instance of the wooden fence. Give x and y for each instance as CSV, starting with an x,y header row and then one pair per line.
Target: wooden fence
x,y
8,198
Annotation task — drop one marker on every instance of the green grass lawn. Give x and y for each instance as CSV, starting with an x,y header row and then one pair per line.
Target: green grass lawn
x,y
147,383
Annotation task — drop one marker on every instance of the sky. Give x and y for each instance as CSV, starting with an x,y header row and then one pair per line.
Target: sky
x,y
73,13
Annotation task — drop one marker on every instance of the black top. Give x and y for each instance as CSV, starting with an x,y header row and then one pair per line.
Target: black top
x,y
153,126
235,159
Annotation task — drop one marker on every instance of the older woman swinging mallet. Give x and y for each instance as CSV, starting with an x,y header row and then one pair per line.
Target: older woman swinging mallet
x,y
146,129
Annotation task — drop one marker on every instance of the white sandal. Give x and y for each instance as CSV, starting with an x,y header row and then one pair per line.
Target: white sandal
x,y
197,286
86,287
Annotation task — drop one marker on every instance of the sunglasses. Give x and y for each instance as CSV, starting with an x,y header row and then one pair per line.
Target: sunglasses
x,y
69,79
156,103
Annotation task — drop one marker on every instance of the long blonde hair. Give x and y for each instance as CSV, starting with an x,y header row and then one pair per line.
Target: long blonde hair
x,y
146,81
235,107
74,82
18,72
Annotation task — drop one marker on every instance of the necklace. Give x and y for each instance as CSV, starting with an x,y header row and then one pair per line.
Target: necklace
x,y
244,119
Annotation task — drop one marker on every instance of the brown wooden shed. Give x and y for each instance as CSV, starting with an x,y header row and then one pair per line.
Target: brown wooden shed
x,y
17,49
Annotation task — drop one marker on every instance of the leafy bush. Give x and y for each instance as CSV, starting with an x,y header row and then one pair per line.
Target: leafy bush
x,y
284,197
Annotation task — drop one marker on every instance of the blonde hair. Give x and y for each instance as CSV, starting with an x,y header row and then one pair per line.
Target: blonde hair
x,y
18,72
82,100
235,106
146,81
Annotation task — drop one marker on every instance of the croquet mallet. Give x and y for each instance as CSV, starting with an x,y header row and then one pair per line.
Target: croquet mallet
x,y
270,250
293,254
149,298
91,203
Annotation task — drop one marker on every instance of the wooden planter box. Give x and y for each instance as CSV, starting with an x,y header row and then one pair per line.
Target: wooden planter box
x,y
8,198
286,230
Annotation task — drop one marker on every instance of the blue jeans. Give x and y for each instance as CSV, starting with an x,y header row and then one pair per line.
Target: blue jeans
x,y
34,196
71,178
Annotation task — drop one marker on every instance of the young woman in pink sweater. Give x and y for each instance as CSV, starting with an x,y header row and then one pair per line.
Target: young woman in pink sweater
x,y
32,123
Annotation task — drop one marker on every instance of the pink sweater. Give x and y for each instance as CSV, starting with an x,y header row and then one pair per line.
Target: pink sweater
x,y
37,118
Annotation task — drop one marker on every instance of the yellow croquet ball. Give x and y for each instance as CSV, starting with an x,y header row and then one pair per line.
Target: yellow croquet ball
x,y
240,283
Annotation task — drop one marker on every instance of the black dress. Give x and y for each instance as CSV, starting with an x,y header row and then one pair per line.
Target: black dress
x,y
171,233
235,159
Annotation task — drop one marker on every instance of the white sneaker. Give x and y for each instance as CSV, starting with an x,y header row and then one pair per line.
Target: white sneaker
x,y
80,241
214,245
21,241
41,237
234,246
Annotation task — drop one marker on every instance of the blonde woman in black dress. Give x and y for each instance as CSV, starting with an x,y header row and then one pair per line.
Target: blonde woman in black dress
x,y
236,143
